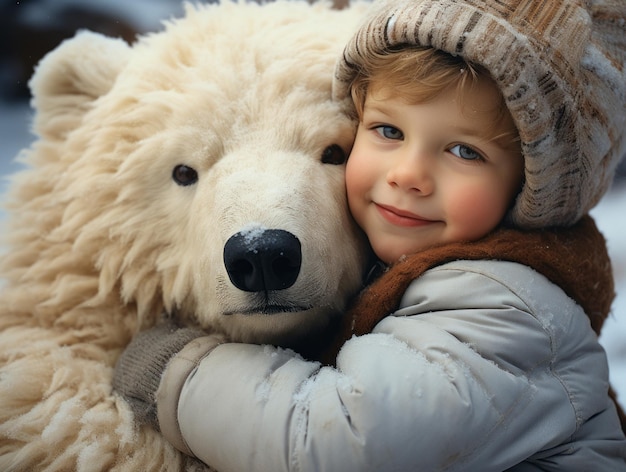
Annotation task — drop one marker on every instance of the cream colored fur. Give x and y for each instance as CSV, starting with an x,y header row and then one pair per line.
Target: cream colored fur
x,y
101,240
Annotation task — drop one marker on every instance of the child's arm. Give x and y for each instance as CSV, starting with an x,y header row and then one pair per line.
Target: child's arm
x,y
466,379
247,407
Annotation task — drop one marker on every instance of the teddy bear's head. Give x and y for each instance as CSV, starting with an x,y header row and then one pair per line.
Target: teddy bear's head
x,y
197,172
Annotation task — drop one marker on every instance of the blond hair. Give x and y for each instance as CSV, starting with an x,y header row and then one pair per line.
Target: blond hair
x,y
419,74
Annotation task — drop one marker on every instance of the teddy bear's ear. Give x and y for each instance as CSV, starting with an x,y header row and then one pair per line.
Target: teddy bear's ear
x,y
70,77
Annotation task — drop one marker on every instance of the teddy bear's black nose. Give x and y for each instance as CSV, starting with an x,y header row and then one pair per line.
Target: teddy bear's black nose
x,y
260,260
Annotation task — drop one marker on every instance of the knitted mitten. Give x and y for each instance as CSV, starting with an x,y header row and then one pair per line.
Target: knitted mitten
x,y
139,369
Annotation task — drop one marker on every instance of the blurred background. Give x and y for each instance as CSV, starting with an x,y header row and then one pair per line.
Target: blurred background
x,y
29,29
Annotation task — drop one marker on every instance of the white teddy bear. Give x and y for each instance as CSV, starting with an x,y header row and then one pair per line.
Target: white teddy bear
x,y
198,172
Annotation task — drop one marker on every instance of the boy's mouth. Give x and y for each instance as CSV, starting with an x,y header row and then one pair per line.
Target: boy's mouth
x,y
399,217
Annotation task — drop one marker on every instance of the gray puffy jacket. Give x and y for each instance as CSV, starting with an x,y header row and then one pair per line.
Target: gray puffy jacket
x,y
486,366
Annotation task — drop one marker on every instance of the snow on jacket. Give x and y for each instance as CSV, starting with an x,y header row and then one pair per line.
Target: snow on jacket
x,y
486,365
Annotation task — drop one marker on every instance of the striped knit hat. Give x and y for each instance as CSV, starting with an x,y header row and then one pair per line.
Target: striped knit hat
x,y
560,66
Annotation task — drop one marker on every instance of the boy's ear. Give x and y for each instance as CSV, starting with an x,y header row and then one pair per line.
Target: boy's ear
x,y
70,77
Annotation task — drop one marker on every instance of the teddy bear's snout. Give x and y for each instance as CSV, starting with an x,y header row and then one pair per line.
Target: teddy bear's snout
x,y
262,260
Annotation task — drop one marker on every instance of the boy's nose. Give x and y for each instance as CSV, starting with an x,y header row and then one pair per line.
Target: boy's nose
x,y
411,172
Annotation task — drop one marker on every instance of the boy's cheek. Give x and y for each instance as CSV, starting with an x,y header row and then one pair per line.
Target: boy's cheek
x,y
477,212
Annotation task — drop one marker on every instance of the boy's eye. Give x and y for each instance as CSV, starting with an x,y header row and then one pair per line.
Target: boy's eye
x,y
389,132
465,152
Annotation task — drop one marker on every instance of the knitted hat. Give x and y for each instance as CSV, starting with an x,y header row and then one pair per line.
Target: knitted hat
x,y
560,66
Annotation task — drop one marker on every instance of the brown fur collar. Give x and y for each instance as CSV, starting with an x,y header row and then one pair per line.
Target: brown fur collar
x,y
575,259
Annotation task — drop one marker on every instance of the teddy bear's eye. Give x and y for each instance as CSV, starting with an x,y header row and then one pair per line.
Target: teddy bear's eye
x,y
184,175
334,154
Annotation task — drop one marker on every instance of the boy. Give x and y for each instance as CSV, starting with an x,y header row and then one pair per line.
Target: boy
x,y
483,363
436,158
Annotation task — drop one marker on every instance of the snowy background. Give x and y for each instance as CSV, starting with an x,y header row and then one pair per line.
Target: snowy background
x,y
31,28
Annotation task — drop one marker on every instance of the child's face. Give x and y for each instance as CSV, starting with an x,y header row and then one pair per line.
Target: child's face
x,y
425,174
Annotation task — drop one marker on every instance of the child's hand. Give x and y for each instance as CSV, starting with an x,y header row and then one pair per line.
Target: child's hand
x,y
139,369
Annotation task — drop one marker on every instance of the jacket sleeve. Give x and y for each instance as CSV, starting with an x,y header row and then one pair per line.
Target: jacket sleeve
x,y
464,377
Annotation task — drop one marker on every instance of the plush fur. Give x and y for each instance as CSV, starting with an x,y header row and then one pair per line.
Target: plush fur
x,y
102,239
